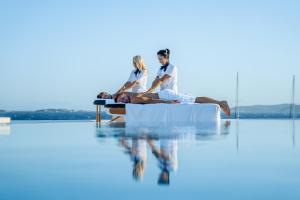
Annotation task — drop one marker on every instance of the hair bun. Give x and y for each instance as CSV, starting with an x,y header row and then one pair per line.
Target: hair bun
x,y
164,52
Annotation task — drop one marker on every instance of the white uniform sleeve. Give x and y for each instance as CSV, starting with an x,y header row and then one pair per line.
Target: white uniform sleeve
x,y
158,72
132,77
171,70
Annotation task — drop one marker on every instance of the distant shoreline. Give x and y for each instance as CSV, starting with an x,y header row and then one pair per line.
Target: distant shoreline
x,y
280,111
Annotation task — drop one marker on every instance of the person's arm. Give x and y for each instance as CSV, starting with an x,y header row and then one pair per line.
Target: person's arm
x,y
156,152
153,148
147,100
127,86
125,144
157,82
131,82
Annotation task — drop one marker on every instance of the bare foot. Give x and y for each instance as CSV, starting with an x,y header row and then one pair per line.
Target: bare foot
x,y
225,107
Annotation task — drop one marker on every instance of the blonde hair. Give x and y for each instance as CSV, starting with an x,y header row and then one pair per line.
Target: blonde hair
x,y
138,171
138,62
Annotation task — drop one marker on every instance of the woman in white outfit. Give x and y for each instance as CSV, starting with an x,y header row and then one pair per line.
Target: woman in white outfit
x,y
137,80
166,77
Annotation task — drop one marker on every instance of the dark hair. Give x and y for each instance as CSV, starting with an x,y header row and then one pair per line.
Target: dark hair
x,y
164,52
116,97
100,96
161,180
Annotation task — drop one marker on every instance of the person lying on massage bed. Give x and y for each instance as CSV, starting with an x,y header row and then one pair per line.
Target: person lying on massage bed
x,y
164,96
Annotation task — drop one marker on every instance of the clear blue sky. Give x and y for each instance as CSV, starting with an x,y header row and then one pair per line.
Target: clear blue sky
x,y
60,54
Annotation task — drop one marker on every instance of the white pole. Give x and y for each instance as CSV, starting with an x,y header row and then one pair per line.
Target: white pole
x,y
293,99
292,106
237,112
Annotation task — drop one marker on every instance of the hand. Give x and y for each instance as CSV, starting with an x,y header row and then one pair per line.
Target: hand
x,y
173,101
150,90
141,94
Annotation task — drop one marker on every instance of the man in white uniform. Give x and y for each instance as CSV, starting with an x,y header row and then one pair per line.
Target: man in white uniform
x,y
164,96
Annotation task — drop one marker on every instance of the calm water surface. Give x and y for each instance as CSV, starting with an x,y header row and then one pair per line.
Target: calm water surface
x,y
251,159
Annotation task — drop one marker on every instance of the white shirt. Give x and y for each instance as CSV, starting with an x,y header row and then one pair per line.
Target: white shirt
x,y
141,79
171,83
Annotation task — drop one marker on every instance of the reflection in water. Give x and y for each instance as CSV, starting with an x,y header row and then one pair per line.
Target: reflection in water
x,y
4,129
166,156
293,133
237,134
161,140
138,155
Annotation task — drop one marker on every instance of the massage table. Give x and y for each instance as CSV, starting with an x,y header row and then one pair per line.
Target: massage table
x,y
113,108
145,114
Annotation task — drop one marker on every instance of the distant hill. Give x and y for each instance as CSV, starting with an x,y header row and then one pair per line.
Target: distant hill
x,y
266,111
246,112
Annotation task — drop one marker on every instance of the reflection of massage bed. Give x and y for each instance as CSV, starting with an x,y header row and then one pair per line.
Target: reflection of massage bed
x,y
161,113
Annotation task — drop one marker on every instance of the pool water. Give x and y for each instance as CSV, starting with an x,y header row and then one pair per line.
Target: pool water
x,y
246,159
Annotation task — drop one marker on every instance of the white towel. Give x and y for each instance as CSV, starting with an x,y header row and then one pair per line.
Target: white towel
x,y
172,113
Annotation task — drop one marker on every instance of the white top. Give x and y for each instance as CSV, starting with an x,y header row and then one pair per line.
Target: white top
x,y
141,79
171,83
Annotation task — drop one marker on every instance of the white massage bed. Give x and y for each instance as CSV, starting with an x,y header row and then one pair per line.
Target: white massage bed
x,y
160,113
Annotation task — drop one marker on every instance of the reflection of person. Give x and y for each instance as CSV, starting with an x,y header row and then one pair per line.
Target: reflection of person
x,y
138,155
167,158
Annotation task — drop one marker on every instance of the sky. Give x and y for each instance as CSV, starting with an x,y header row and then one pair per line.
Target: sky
x,y
60,54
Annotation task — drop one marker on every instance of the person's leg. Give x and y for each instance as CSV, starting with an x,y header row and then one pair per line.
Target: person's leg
x,y
223,104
